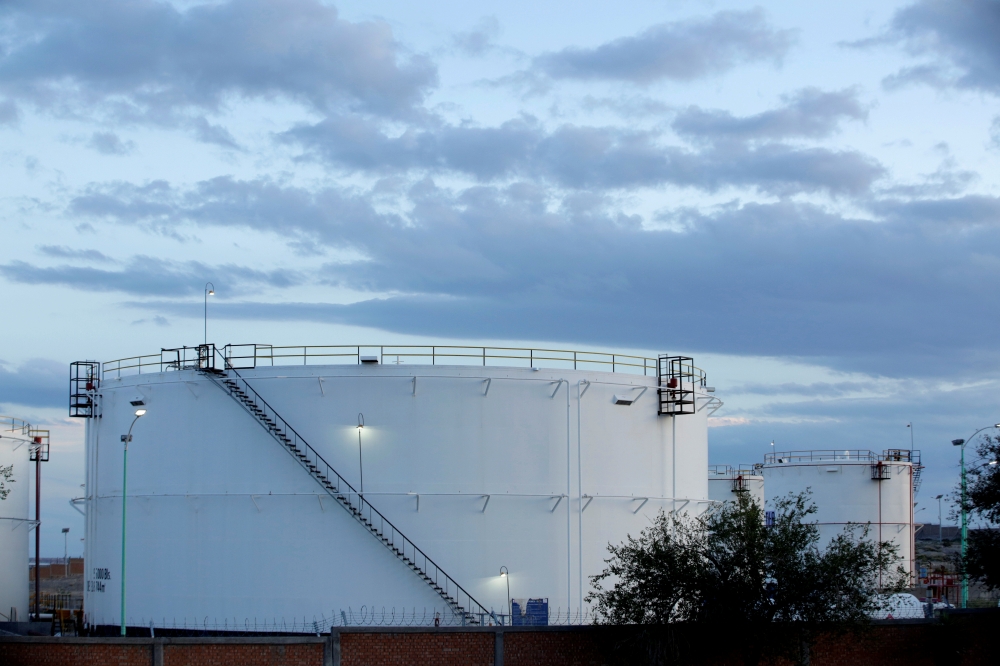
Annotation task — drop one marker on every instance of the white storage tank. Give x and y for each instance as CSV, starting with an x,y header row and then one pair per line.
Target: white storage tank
x,y
15,442
726,481
852,486
466,463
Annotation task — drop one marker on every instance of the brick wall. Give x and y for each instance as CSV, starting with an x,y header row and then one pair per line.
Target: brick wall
x,y
968,640
248,655
74,654
274,651
563,648
406,649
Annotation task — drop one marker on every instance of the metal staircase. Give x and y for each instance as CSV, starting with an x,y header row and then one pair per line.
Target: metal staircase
x,y
467,609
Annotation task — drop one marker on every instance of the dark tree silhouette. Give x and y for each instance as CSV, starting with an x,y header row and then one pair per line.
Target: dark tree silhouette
x,y
728,570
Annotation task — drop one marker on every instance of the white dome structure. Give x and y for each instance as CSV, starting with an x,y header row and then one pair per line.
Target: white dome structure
x,y
253,494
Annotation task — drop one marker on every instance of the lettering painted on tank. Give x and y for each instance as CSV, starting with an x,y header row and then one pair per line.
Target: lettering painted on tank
x,y
99,575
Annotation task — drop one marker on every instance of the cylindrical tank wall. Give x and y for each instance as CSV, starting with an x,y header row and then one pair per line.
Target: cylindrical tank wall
x,y
844,492
481,467
14,525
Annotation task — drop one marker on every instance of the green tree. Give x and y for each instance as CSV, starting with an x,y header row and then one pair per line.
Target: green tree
x,y
729,571
6,477
982,560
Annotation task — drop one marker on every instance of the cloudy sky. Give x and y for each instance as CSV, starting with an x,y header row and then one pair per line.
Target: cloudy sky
x,y
803,196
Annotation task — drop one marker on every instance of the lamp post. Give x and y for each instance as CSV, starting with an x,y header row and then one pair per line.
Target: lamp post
x,y
909,426
209,291
126,439
65,532
938,498
965,517
361,462
504,574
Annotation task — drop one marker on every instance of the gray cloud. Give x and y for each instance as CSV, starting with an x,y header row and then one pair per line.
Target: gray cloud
x,y
148,276
148,60
680,51
216,134
35,383
816,389
809,113
109,143
960,37
906,294
9,113
63,252
587,157
958,213
480,40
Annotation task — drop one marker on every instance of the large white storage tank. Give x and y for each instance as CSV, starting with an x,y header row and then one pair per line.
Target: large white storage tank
x,y
479,464
852,486
14,523
725,482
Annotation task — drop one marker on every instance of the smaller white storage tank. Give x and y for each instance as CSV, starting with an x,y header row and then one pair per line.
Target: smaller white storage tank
x,y
725,482
14,522
852,486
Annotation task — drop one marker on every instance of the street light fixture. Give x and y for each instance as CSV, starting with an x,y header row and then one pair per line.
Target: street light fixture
x,y
65,532
965,517
126,439
209,291
504,574
938,498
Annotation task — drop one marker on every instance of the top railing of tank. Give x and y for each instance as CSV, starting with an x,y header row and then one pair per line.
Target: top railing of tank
x,y
253,355
14,424
729,471
858,455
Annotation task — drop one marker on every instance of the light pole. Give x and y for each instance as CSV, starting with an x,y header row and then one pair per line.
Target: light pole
x,y
938,498
504,574
965,517
65,532
208,292
126,439
361,462
910,428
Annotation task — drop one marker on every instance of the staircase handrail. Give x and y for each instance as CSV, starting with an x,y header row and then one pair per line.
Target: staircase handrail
x,y
363,503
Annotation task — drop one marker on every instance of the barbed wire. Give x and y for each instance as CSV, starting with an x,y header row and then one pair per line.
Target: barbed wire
x,y
366,616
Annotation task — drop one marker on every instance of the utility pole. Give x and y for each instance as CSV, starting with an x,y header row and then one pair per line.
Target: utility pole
x,y
938,498
38,527
65,532
38,452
